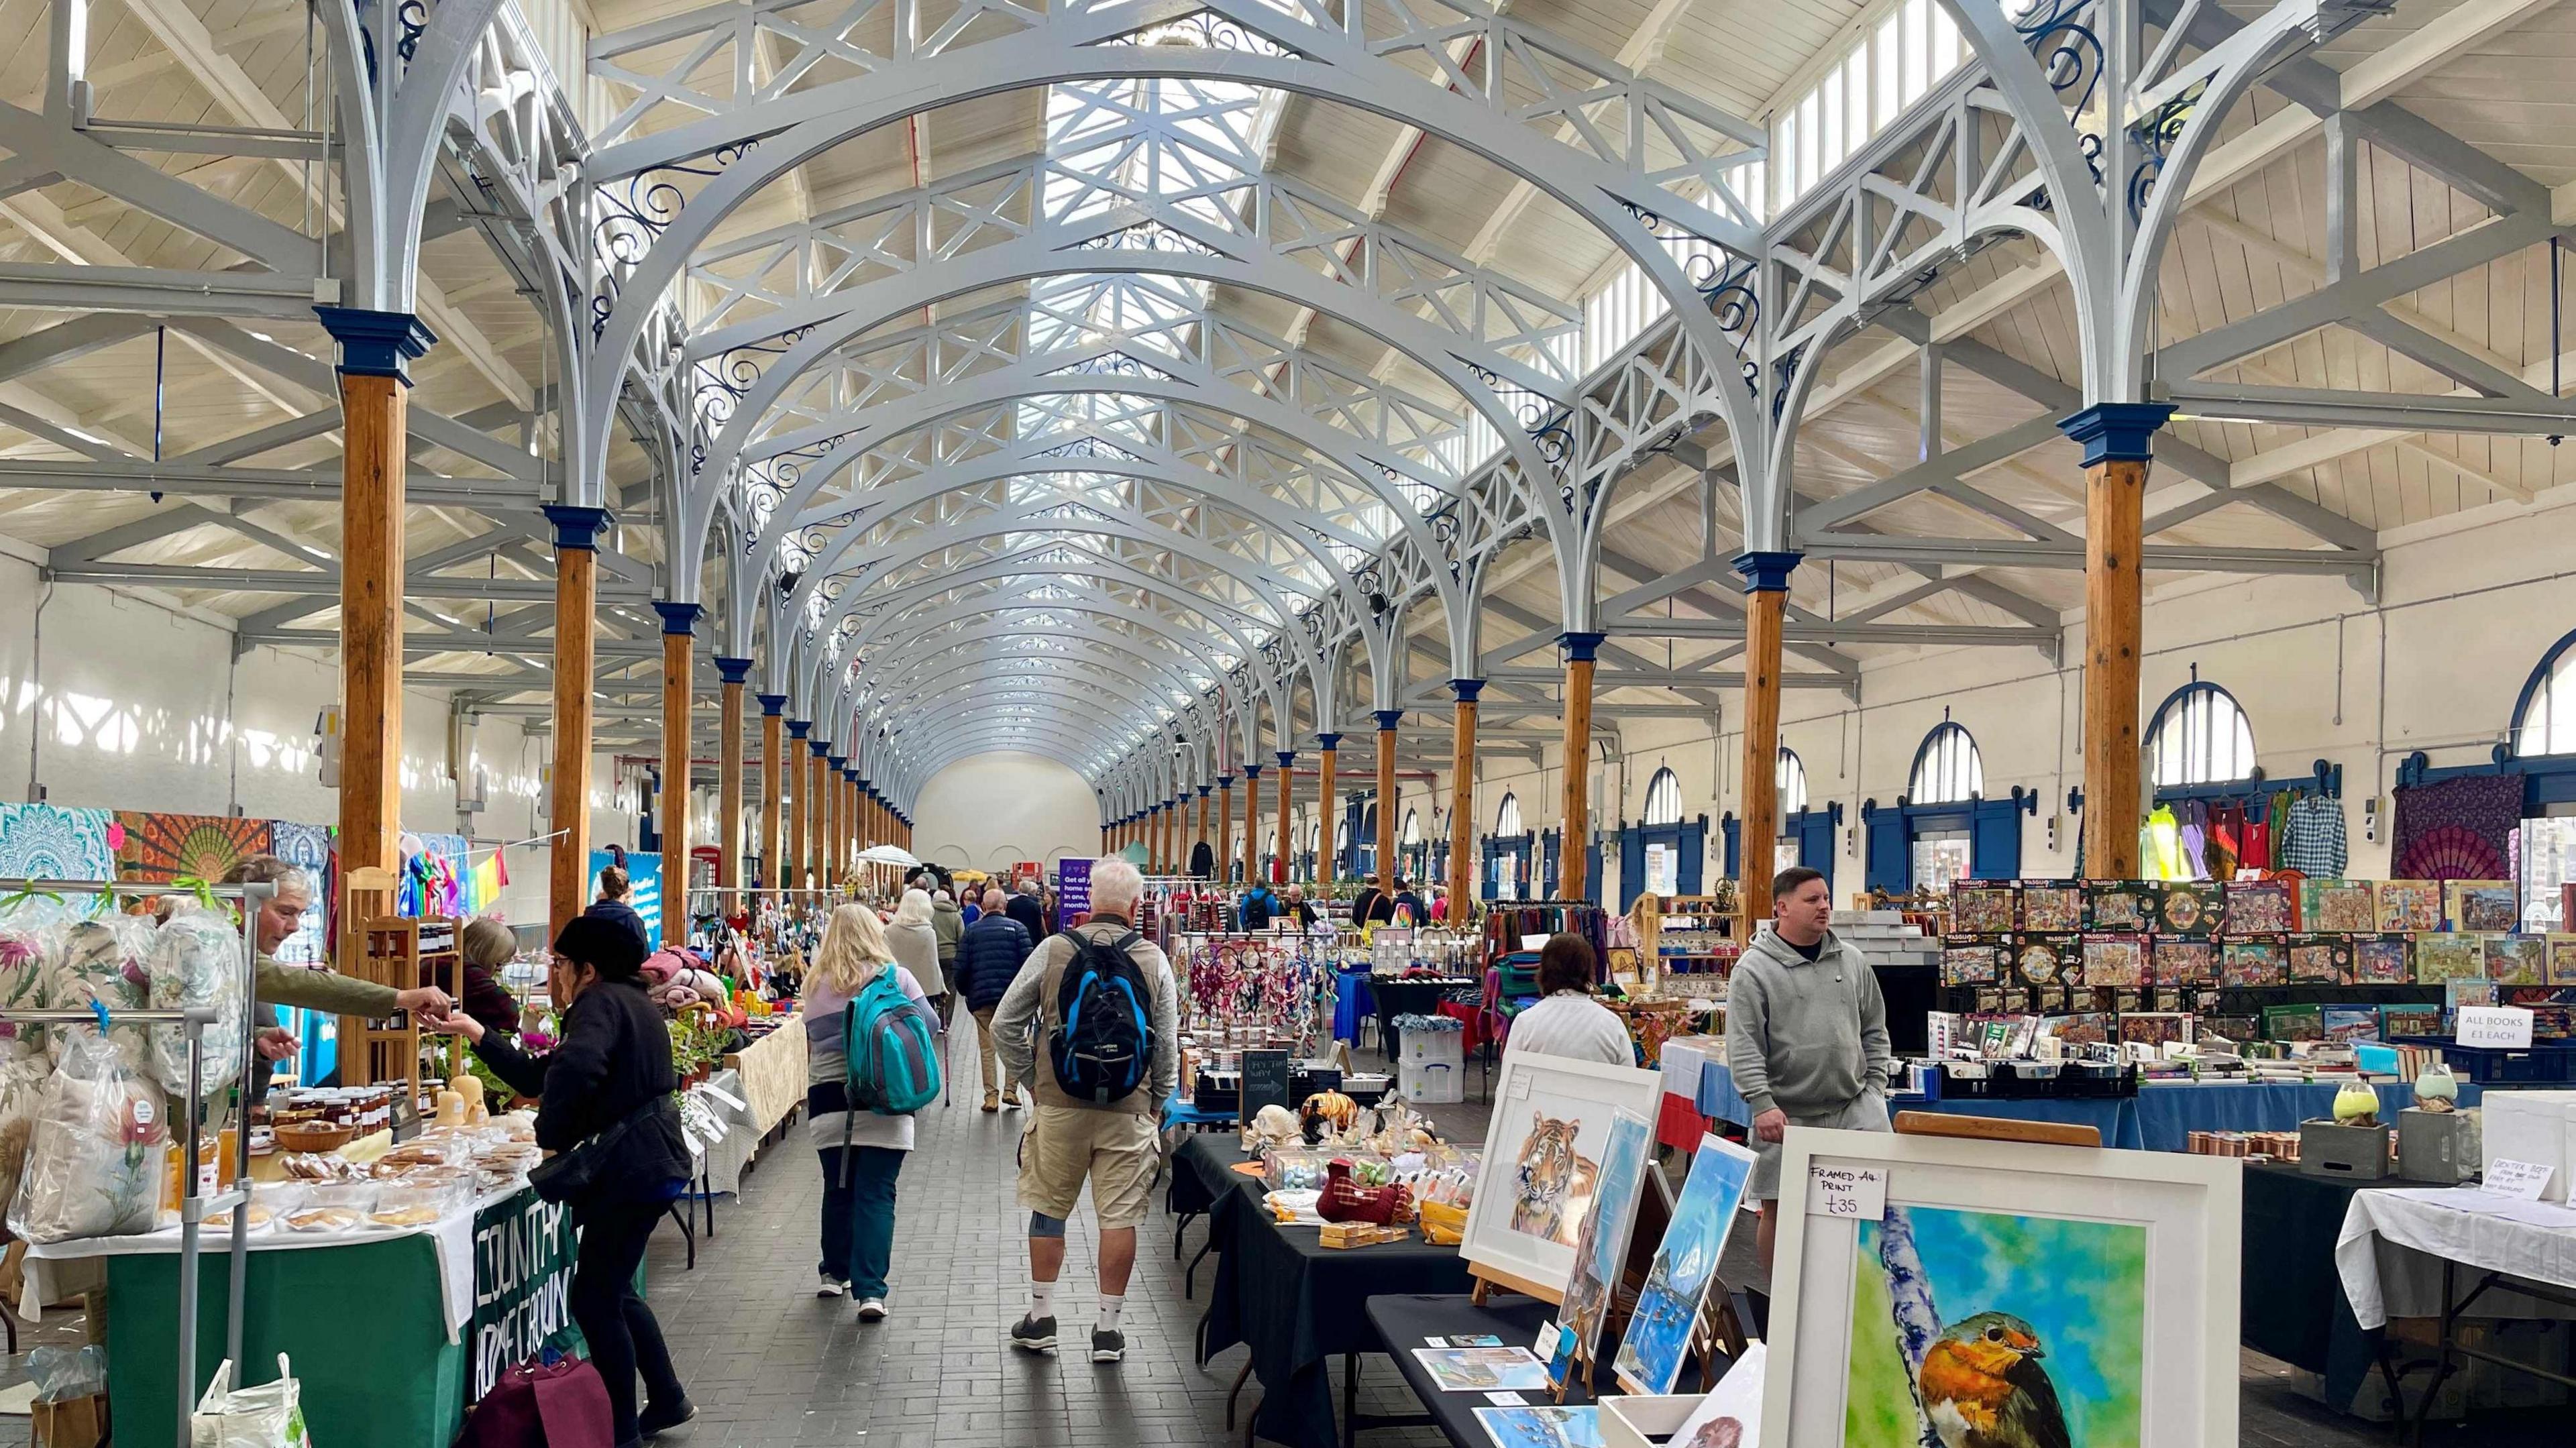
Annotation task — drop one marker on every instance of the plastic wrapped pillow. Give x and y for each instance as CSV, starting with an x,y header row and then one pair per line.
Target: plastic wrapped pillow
x,y
24,1069
196,960
106,961
94,1160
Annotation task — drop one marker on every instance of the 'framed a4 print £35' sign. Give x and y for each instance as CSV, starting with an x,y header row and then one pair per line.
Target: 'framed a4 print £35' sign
x,y
2010,1293
1544,1149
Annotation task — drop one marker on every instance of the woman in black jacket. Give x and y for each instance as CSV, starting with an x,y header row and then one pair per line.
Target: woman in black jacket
x,y
614,1062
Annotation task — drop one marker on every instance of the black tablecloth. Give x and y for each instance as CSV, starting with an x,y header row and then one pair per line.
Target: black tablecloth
x,y
1396,996
1403,1322
1295,1303
2294,1307
1203,1171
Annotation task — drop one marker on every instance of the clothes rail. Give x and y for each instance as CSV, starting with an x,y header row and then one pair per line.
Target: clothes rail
x,y
193,1206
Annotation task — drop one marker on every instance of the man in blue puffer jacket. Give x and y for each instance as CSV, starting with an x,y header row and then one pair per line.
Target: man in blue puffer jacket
x,y
989,956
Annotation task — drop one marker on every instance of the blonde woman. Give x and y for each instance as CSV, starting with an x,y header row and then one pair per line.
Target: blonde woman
x,y
858,1194
914,935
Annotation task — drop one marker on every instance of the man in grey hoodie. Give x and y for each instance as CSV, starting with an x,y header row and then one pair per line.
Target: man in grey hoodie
x,y
1806,1033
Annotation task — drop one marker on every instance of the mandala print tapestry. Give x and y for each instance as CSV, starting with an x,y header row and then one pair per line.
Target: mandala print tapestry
x,y
310,847
2459,829
164,847
43,842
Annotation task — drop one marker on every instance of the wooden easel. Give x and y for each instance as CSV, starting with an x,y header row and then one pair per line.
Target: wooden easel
x,y
1654,1214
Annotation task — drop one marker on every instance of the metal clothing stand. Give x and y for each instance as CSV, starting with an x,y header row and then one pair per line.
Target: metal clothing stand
x,y
193,1208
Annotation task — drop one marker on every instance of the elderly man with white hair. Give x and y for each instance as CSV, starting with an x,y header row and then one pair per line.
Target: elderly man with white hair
x,y
1100,1092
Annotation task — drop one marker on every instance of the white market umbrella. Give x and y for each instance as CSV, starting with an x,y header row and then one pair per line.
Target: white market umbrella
x,y
888,855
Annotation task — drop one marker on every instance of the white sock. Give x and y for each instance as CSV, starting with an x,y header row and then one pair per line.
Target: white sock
x,y
1041,1299
1110,1307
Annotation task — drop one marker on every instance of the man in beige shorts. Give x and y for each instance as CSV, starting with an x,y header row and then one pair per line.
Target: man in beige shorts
x,y
1107,1137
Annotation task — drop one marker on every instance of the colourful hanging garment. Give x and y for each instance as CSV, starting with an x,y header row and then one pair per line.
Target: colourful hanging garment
x,y
2160,846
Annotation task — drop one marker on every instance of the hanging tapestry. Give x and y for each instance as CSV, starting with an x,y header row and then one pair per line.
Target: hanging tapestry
x,y
310,847
164,847
2459,829
43,842
429,884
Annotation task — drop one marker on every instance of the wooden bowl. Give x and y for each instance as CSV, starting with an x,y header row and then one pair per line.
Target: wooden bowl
x,y
313,1136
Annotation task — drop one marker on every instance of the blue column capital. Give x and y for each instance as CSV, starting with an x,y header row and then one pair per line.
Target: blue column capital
x,y
1252,771
1203,790
822,749
577,527
1287,759
678,618
1578,646
1328,741
772,703
796,728
1225,781
733,671
1389,718
1767,572
2115,432
1467,689
375,344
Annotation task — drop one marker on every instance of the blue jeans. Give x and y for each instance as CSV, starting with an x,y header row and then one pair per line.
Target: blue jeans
x,y
858,1219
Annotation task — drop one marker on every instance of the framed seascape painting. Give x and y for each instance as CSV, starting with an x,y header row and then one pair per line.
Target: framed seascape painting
x,y
1657,1345
1601,1251
2005,1294
1542,1171
1542,1427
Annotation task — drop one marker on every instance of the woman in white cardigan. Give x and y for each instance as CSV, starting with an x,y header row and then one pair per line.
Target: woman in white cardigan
x,y
914,938
1568,1021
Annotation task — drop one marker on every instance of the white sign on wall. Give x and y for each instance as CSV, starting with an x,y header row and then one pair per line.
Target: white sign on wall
x,y
1663,870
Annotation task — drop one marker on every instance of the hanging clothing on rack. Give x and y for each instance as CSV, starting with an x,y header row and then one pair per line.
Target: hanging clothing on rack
x,y
2314,841
2160,846
2254,836
2279,817
2219,851
2195,840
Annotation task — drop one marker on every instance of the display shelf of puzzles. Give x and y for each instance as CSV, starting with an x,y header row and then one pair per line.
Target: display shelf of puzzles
x,y
2279,961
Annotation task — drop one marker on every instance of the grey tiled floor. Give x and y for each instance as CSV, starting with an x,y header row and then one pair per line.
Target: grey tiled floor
x,y
773,1366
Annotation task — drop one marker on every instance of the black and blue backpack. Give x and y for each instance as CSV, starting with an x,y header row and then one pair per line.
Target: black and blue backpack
x,y
1106,1043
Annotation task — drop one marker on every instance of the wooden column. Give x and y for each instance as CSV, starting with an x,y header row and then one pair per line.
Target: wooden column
x,y
1387,719
796,813
773,832
374,405
1224,849
2118,441
679,639
1204,791
818,818
1251,824
1574,822
1766,586
1462,799
735,673
1330,747
568,793
1279,869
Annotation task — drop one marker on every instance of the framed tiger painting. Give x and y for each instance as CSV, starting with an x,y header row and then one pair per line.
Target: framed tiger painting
x,y
1544,1149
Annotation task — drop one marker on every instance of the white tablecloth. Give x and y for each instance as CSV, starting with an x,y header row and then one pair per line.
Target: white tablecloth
x,y
2391,1239
451,1238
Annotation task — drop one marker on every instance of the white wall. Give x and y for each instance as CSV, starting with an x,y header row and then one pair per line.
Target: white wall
x,y
112,701
985,812
2467,606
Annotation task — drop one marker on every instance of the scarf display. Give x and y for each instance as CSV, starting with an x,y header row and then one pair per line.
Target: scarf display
x,y
2457,829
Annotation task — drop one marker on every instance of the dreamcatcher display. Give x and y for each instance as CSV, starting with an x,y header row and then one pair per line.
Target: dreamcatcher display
x,y
1245,989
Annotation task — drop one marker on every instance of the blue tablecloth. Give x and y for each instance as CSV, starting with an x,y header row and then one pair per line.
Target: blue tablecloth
x,y
1179,1112
2160,1118
1353,1002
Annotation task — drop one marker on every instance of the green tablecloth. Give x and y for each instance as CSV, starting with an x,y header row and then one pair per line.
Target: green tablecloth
x,y
362,1325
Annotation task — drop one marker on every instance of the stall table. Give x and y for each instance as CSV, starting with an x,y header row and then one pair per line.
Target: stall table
x,y
1395,995
2520,1259
1402,1323
1296,1303
391,1332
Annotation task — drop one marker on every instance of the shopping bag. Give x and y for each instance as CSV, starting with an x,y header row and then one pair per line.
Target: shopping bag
x,y
558,1404
268,1416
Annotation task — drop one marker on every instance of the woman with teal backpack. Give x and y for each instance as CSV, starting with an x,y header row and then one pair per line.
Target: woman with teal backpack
x,y
862,1150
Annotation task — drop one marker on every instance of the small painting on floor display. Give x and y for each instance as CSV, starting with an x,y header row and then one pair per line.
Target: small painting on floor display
x,y
1658,1339
1482,1369
2027,1331
1543,1427
1601,1251
1731,1415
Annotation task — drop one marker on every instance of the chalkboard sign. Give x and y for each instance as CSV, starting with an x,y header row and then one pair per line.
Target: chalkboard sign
x,y
1265,1081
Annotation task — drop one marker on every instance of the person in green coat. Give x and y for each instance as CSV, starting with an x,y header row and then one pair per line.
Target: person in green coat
x,y
314,990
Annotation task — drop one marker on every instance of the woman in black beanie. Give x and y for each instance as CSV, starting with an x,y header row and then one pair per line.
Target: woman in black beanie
x,y
614,1063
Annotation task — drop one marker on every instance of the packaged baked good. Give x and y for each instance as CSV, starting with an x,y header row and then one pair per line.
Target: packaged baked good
x,y
323,1219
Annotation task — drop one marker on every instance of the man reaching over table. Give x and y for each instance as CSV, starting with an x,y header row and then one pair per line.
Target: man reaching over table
x,y
1806,1034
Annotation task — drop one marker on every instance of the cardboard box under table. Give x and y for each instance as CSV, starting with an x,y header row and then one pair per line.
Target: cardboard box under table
x,y
391,1333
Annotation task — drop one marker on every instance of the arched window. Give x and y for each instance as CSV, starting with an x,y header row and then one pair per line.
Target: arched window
x,y
2544,721
1790,779
1507,820
1664,798
1412,828
1946,769
2200,737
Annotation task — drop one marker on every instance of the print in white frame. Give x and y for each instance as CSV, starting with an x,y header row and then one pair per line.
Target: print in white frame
x,y
1521,1234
